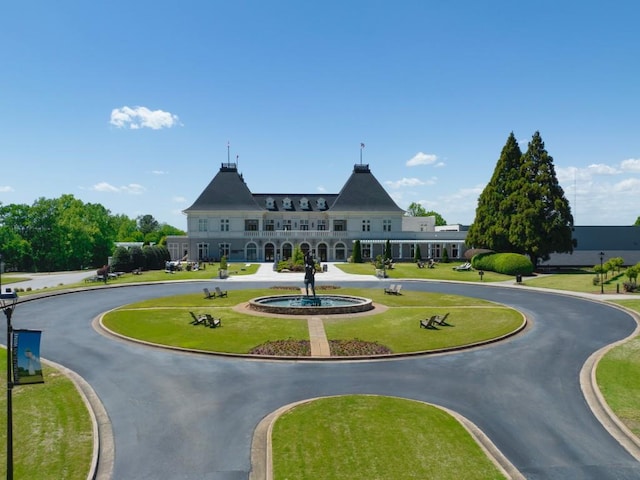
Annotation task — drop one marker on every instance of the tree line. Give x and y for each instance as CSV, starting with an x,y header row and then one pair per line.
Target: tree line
x,y
67,234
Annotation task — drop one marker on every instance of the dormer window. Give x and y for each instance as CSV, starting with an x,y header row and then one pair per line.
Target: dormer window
x,y
321,203
270,204
304,203
286,203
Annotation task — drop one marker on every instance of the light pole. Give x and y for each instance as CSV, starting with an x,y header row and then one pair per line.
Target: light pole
x,y
8,303
601,273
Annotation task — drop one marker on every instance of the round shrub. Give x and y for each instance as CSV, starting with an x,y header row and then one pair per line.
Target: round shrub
x,y
505,263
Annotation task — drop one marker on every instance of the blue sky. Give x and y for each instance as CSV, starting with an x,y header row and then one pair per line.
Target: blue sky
x,y
131,104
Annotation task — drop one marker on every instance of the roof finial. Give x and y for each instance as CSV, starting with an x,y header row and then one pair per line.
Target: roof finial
x,y
228,146
361,148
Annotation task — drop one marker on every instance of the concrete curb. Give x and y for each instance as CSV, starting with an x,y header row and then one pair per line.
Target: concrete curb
x,y
597,402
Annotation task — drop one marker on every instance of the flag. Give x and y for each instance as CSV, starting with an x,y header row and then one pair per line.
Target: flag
x,y
362,145
25,354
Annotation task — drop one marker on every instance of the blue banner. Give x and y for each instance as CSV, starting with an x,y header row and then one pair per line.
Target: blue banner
x,y
27,368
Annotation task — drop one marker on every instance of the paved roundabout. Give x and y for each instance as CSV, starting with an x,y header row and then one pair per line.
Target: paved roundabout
x,y
179,415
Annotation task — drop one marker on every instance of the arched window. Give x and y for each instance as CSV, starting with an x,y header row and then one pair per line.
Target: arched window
x,y
251,252
287,251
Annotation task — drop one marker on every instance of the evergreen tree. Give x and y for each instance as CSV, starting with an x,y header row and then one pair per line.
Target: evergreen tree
x,y
523,208
387,250
490,228
137,257
121,260
543,222
417,256
357,252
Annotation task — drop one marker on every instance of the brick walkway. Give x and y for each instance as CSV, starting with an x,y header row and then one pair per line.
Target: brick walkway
x,y
318,338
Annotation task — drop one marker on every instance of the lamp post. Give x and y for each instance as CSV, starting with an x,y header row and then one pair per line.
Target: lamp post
x,y
8,303
601,273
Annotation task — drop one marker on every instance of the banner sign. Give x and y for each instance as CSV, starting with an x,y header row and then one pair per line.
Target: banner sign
x,y
27,368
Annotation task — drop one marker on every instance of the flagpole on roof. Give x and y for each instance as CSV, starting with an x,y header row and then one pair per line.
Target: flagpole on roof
x,y
361,148
237,161
228,146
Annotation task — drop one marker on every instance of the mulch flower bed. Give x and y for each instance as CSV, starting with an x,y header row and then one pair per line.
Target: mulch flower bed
x,y
302,348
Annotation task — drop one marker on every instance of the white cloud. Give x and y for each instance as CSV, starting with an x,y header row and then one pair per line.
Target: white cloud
x,y
602,169
406,182
159,172
179,199
104,187
631,165
132,188
6,188
142,117
321,189
627,185
421,158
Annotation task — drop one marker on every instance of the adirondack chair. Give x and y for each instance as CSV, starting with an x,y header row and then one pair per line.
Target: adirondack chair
x,y
428,322
213,322
221,293
197,319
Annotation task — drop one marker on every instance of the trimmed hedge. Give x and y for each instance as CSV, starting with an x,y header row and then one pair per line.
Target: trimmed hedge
x,y
505,263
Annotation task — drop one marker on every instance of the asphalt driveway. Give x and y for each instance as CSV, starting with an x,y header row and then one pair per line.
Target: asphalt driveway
x,y
183,416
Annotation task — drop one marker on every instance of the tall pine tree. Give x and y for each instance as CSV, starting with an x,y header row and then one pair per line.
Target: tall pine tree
x,y
490,228
543,223
523,208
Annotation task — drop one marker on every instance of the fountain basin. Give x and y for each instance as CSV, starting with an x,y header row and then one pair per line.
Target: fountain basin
x,y
303,305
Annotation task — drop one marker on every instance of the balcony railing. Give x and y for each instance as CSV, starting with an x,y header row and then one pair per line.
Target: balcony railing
x,y
330,235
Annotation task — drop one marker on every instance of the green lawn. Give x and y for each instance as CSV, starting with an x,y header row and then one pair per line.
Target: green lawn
x,y
52,431
166,321
617,376
208,273
360,437
577,281
8,279
442,271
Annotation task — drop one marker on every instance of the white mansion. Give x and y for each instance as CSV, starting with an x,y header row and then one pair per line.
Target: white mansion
x,y
228,219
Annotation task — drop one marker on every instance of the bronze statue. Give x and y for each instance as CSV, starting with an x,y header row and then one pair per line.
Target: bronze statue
x,y
309,273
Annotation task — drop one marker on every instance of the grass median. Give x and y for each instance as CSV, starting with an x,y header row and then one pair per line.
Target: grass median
x,y
359,437
617,376
52,430
167,321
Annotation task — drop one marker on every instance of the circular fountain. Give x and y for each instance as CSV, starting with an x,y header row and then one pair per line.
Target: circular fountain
x,y
309,305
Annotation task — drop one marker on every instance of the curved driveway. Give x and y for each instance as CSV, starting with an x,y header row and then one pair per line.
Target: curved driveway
x,y
184,416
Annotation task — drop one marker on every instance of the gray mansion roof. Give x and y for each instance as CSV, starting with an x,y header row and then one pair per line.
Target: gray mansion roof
x,y
228,191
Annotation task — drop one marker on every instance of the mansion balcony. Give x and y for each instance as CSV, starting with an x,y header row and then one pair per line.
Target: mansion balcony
x,y
455,237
